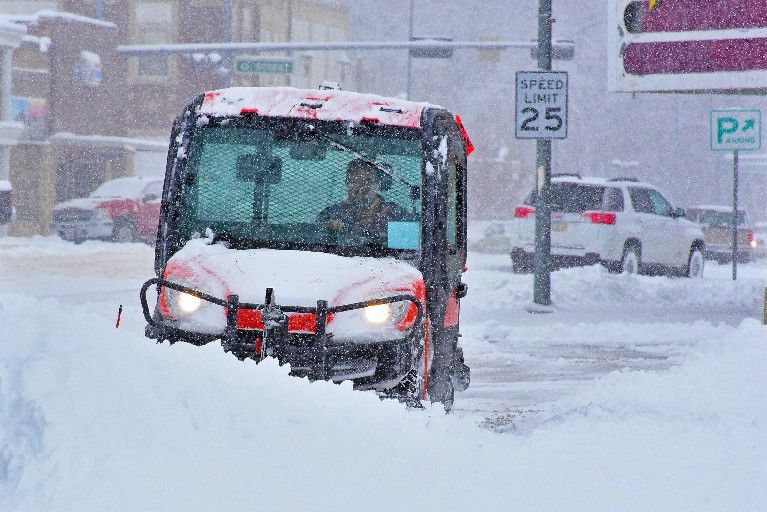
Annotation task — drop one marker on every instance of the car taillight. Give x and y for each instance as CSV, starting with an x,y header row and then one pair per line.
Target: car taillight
x,y
523,212
600,217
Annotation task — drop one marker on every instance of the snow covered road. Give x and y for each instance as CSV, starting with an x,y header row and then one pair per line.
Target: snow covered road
x,y
638,393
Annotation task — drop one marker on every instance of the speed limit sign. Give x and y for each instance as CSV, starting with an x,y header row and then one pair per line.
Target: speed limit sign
x,y
541,105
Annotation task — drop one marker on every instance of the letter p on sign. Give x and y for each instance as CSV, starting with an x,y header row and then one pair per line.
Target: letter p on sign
x,y
725,126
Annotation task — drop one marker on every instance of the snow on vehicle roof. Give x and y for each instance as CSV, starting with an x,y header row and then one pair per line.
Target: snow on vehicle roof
x,y
123,187
595,180
716,208
325,105
5,186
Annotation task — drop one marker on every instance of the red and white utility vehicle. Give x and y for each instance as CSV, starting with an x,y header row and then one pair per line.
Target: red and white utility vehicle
x,y
622,223
265,244
121,210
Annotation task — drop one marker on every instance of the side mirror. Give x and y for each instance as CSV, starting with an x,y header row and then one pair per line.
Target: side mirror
x,y
678,213
256,168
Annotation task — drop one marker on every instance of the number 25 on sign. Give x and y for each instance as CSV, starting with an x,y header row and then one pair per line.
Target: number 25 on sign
x,y
541,105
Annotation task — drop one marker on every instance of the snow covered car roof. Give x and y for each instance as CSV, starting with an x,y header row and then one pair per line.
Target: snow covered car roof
x,y
325,105
593,180
131,186
720,208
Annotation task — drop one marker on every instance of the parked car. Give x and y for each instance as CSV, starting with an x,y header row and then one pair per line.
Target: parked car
x,y
759,243
717,231
6,202
121,210
625,224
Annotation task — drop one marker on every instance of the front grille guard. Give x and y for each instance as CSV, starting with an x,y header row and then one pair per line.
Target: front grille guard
x,y
275,322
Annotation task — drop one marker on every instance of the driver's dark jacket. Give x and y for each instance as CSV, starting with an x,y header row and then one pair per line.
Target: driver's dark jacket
x,y
349,213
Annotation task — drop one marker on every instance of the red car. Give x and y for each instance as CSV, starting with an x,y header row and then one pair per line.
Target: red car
x,y
121,210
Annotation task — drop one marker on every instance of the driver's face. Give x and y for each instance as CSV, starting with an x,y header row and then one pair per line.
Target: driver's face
x,y
362,184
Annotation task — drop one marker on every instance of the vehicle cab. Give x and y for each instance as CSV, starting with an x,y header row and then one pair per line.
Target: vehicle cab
x,y
262,245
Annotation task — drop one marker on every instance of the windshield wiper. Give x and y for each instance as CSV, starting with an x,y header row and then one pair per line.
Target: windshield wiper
x,y
369,159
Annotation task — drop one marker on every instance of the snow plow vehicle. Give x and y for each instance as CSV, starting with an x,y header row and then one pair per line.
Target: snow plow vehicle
x,y
324,228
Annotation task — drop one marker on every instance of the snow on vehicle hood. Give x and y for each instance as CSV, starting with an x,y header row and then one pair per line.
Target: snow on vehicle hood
x,y
299,278
83,203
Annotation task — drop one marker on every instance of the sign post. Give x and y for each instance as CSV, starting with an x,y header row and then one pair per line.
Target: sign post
x,y
735,130
541,114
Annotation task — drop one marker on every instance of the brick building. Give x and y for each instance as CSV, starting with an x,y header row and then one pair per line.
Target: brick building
x,y
91,113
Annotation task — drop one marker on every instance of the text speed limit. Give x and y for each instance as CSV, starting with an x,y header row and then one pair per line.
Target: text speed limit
x,y
541,111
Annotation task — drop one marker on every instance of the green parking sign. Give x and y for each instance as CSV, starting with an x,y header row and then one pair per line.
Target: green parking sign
x,y
253,65
736,130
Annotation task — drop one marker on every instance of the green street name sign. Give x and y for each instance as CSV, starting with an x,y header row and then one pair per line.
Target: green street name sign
x,y
736,130
263,66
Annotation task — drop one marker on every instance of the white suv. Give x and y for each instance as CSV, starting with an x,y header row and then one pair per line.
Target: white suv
x,y
625,224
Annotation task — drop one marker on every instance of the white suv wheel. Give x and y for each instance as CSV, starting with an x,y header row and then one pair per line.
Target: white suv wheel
x,y
630,263
696,264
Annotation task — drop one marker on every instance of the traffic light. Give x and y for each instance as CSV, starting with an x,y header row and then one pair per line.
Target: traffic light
x,y
687,46
432,52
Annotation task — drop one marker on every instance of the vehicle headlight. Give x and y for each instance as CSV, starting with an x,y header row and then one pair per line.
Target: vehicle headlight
x,y
187,302
378,314
391,313
180,304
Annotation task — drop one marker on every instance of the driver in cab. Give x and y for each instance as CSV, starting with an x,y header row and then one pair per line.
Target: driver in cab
x,y
364,212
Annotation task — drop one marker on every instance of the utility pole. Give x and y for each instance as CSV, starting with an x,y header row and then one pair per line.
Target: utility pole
x,y
735,215
226,37
409,56
542,278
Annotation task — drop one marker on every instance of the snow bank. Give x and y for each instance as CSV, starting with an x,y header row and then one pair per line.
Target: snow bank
x,y
94,418
576,287
44,246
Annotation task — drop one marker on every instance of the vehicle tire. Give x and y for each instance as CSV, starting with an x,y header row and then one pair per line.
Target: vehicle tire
x,y
124,231
695,264
440,384
410,389
631,261
461,372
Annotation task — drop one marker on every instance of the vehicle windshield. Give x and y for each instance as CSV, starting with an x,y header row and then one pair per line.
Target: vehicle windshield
x,y
569,197
262,185
721,219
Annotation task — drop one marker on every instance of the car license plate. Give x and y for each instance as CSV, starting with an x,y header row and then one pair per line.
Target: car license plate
x,y
559,227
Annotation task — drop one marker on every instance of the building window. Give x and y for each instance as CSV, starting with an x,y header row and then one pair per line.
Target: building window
x,y
154,25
